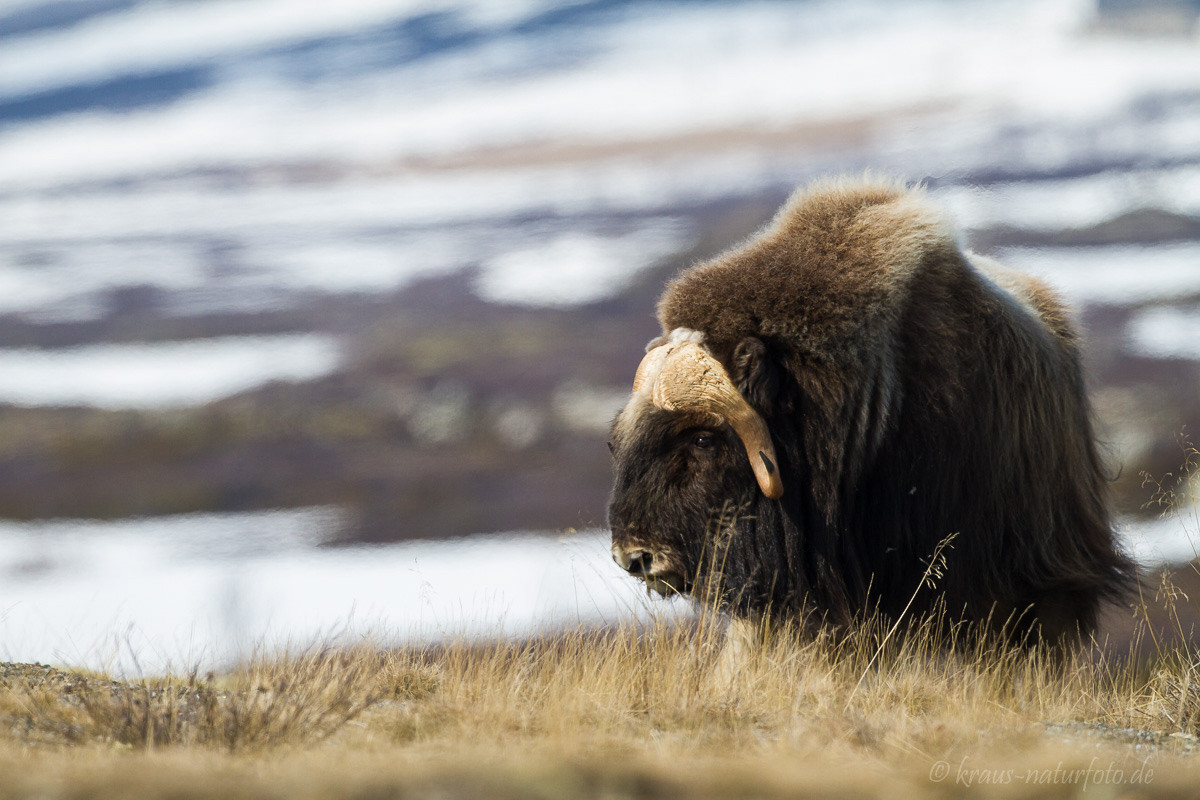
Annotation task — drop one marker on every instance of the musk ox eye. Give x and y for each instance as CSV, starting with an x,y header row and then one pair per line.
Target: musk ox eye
x,y
703,440
612,449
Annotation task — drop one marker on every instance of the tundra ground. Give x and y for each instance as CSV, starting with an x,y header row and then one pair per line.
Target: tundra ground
x,y
882,711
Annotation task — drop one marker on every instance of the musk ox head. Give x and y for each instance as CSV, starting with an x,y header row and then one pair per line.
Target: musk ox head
x,y
692,456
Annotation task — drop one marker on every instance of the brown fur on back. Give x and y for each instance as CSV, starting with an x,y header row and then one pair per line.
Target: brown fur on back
x,y
834,265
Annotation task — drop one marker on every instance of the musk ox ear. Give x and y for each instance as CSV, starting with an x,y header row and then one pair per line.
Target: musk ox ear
x,y
756,374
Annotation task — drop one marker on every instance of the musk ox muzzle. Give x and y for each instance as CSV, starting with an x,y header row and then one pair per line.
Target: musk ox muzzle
x,y
651,566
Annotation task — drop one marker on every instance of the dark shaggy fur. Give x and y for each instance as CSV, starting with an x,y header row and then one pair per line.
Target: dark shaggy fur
x,y
913,392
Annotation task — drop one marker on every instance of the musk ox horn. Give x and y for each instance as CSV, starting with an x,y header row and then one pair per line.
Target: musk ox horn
x,y
682,375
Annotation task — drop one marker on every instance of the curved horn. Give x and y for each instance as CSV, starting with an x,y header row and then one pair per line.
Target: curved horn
x,y
685,376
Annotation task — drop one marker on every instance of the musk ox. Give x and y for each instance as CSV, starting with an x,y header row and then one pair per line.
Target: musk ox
x,y
835,397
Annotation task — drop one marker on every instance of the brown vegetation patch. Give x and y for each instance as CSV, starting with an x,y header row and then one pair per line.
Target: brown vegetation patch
x,y
265,704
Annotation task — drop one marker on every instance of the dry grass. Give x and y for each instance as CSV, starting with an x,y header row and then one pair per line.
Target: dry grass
x,y
266,704
618,713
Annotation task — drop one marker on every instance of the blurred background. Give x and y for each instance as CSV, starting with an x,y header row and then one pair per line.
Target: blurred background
x,y
313,312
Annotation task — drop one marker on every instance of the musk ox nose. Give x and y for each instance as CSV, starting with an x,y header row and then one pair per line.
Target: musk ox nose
x,y
636,561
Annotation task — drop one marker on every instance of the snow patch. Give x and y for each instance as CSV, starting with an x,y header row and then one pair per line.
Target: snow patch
x,y
163,374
